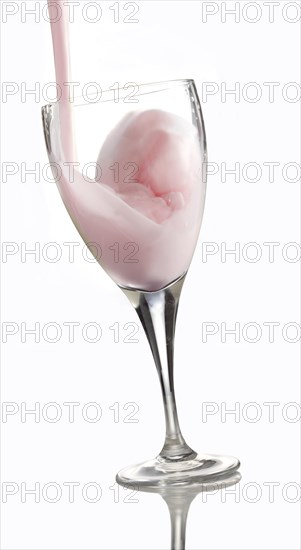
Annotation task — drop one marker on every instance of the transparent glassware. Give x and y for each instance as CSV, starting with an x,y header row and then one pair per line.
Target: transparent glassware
x,y
179,499
152,134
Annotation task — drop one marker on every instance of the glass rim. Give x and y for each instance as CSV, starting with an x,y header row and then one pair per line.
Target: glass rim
x,y
82,100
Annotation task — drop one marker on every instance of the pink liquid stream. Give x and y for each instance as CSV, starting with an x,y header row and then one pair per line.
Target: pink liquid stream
x,y
62,61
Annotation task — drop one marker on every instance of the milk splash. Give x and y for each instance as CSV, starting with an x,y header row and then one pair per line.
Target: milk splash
x,y
156,217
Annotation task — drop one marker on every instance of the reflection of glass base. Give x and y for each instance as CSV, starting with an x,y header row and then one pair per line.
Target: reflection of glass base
x,y
160,472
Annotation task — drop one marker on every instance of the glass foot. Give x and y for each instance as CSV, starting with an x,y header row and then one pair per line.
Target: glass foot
x,y
161,472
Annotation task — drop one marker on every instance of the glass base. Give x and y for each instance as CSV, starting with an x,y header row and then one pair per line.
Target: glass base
x,y
160,472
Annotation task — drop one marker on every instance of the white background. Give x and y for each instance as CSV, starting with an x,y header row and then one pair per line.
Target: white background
x,y
171,40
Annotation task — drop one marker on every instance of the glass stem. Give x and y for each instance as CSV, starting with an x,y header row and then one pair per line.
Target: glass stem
x,y
178,506
158,312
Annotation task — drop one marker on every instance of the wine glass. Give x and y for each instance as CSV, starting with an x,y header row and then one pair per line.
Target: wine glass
x,y
140,212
